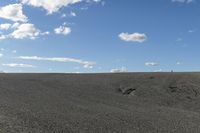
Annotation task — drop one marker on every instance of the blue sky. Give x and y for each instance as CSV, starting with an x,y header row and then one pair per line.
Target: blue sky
x,y
99,35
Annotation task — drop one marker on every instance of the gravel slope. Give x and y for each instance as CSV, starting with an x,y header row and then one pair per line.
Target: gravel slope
x,y
100,103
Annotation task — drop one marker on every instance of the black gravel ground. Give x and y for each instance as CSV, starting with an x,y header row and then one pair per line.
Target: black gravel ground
x,y
100,103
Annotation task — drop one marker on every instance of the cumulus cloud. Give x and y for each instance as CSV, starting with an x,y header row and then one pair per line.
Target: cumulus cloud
x,y
13,12
119,70
22,31
50,6
3,37
26,30
62,30
19,65
183,1
135,37
5,26
86,64
151,64
15,25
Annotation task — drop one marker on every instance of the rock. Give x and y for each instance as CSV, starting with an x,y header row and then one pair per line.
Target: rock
x,y
127,90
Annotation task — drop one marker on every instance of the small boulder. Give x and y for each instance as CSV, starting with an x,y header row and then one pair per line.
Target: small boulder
x,y
127,90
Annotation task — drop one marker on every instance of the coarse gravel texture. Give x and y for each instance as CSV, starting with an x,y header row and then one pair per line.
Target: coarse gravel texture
x,y
100,103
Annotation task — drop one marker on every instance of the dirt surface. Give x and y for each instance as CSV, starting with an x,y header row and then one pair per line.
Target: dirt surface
x,y
100,103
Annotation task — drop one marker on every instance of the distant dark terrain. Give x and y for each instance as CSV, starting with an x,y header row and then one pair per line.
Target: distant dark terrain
x,y
100,103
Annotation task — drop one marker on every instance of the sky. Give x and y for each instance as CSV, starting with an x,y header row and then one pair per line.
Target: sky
x,y
94,36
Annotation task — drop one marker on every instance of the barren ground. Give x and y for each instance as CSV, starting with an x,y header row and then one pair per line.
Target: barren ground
x,y
100,103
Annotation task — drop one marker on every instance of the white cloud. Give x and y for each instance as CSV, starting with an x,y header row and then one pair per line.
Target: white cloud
x,y
15,25
183,1
2,49
178,63
45,33
3,37
23,31
151,64
191,31
50,6
86,64
121,70
91,1
19,65
135,37
84,8
68,23
1,55
14,51
62,30
26,30
5,26
13,12
63,15
73,14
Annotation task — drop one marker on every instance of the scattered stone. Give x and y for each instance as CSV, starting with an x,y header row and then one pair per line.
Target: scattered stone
x,y
173,88
152,77
127,90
